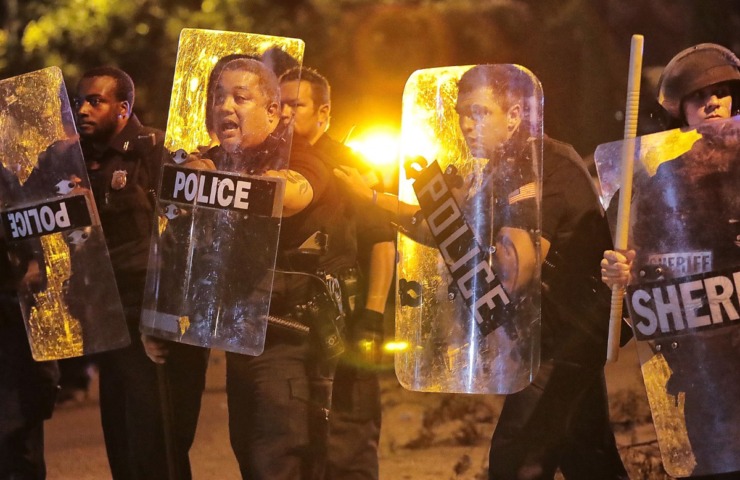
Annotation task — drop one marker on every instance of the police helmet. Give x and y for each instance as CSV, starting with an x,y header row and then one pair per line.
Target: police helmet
x,y
693,69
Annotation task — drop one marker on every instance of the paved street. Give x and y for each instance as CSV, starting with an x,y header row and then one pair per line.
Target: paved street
x,y
75,449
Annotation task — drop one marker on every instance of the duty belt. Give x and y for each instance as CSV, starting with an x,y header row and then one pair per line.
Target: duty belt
x,y
321,315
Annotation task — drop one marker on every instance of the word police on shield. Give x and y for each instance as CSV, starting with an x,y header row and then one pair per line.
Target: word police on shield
x,y
218,190
468,262
49,217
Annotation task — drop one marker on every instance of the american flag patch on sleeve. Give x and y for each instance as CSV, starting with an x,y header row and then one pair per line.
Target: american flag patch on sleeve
x,y
527,191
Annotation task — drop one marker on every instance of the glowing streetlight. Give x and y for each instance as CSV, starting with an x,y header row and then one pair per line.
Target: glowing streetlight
x,y
378,145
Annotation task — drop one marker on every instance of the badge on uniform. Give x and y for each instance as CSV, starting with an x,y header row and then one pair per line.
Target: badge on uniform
x,y
119,179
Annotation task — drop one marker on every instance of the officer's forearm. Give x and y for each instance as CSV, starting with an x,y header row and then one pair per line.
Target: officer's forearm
x,y
391,203
380,275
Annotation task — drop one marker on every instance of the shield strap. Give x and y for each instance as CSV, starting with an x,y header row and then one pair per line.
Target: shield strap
x,y
467,261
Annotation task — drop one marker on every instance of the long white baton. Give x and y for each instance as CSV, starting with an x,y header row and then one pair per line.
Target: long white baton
x,y
625,196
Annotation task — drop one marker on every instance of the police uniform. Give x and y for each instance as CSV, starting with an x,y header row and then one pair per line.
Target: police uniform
x,y
356,410
27,391
561,419
123,178
279,401
27,387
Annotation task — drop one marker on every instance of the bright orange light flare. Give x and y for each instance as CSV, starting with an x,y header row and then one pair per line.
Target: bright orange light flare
x,y
392,347
379,146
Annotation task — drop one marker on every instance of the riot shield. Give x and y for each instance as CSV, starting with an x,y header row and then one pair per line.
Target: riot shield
x,y
56,245
468,310
212,259
683,296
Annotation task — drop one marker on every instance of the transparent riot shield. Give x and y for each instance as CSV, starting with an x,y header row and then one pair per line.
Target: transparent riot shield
x,y
468,310
213,255
55,241
683,297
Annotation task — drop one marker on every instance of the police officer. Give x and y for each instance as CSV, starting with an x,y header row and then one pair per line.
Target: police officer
x,y
27,388
123,160
355,418
561,420
699,86
279,401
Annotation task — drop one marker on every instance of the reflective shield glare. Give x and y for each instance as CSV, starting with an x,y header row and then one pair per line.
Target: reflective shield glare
x,y
468,306
49,220
683,299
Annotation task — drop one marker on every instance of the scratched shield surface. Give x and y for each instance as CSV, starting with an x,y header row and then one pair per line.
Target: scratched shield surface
x,y
468,306
683,297
68,294
212,260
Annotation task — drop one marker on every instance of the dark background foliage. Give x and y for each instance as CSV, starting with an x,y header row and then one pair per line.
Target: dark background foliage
x,y
578,49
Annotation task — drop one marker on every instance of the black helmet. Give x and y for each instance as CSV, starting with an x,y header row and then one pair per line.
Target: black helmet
x,y
693,69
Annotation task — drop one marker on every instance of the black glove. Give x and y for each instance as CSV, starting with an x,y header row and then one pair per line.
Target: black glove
x,y
368,336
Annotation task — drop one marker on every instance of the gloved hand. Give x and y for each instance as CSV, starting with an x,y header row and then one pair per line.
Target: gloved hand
x,y
368,336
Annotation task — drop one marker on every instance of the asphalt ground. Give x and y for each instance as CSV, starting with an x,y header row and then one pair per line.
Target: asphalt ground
x,y
75,449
